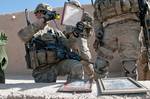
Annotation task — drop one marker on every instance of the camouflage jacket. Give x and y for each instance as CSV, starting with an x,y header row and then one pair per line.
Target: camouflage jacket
x,y
39,53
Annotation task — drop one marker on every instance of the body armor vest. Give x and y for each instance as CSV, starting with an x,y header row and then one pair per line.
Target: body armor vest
x,y
46,49
41,50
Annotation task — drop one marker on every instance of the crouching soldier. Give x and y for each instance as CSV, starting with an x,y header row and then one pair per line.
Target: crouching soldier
x,y
48,49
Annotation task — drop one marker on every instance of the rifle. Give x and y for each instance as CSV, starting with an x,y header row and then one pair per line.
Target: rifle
x,y
27,17
143,7
92,2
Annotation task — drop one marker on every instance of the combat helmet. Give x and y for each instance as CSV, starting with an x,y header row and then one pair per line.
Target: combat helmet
x,y
42,7
75,2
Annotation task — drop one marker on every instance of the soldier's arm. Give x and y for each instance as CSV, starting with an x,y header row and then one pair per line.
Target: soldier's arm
x,y
27,33
89,27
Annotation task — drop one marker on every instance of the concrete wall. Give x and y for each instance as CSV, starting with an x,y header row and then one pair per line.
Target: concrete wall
x,y
15,48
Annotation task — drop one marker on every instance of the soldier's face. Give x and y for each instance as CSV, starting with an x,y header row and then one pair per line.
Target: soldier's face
x,y
39,15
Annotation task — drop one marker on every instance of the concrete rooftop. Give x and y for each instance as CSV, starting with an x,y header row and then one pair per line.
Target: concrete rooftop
x,y
23,87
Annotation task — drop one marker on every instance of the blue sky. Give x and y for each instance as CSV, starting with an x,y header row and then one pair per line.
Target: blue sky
x,y
11,6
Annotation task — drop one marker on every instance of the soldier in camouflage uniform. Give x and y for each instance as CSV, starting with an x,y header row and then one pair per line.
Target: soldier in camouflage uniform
x,y
47,49
3,57
143,70
117,28
78,40
143,59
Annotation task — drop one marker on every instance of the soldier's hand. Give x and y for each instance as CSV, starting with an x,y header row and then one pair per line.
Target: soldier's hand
x,y
80,26
78,29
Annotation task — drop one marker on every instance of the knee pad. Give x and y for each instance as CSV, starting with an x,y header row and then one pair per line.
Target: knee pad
x,y
76,72
130,68
101,67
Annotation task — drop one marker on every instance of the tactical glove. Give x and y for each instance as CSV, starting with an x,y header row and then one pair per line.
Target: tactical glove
x,y
80,26
78,29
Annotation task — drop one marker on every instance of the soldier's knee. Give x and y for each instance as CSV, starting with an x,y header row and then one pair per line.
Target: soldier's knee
x,y
101,67
76,67
130,68
76,72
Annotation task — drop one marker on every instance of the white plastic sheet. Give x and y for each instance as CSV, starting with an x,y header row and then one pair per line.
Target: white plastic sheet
x,y
71,14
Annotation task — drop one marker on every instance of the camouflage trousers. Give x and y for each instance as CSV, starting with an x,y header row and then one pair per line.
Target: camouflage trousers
x,y
142,66
49,74
2,76
143,72
80,46
123,38
3,63
85,54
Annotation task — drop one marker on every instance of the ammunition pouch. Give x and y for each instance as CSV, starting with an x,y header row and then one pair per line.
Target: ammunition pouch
x,y
59,50
45,57
31,56
38,56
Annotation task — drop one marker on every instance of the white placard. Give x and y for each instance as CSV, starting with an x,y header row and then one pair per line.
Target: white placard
x,y
71,14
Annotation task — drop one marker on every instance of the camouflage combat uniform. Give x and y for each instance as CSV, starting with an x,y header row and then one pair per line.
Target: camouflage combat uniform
x,y
143,70
143,61
3,61
80,44
117,28
45,63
